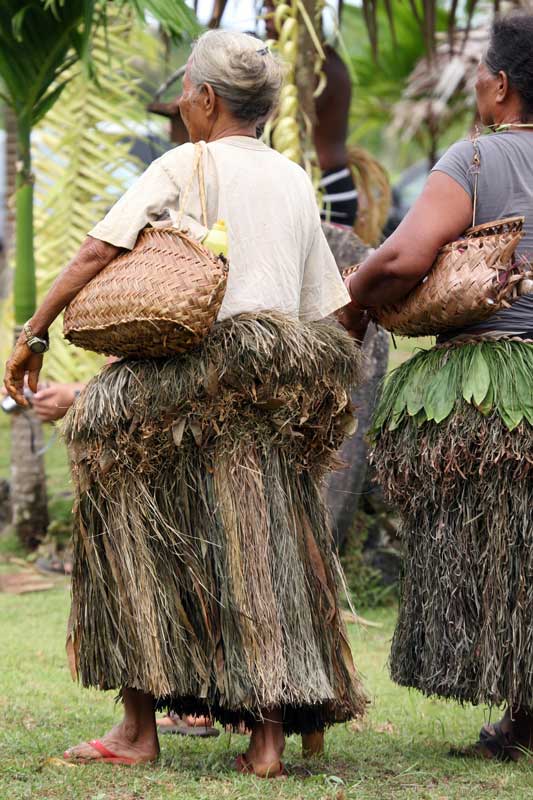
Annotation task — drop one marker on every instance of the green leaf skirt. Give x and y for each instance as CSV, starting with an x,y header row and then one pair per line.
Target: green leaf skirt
x,y
453,450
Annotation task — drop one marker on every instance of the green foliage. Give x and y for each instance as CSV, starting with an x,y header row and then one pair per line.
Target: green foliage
x,y
495,377
378,84
380,81
427,14
83,164
39,41
174,16
364,581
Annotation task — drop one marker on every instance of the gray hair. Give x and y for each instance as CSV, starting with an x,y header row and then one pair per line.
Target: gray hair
x,y
241,70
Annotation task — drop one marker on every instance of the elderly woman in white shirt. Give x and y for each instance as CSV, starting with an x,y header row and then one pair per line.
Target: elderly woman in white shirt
x,y
213,632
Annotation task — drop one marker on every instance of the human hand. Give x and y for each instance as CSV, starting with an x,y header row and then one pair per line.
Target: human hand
x,y
22,364
354,320
53,401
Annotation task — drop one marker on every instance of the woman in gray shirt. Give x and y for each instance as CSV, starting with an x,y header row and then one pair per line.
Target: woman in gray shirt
x,y
454,431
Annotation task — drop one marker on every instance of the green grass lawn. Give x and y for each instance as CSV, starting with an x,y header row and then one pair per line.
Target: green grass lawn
x,y
399,752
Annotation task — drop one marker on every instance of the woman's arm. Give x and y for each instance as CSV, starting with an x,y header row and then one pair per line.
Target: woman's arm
x,y
440,215
90,259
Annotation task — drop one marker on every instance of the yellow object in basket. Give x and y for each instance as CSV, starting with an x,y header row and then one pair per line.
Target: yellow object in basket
x,y
216,239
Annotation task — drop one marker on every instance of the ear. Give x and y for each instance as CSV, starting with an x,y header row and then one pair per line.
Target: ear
x,y
502,87
209,100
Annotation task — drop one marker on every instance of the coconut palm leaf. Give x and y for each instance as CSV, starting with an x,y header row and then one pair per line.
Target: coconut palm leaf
x,y
174,16
38,44
83,164
378,86
441,90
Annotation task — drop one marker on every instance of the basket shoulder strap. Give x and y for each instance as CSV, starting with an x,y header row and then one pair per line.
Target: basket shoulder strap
x,y
197,169
474,169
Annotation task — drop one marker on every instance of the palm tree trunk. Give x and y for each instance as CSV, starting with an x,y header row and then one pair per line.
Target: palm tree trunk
x,y
306,78
29,507
6,235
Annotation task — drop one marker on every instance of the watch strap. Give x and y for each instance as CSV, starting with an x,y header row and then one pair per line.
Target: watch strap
x,y
31,337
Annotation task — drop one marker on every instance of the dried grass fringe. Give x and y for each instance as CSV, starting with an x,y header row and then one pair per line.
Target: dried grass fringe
x,y
465,491
204,568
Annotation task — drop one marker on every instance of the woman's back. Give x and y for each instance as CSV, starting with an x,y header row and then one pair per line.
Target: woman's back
x,y
505,184
279,257
505,189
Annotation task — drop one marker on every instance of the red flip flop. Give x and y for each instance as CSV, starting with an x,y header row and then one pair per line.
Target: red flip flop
x,y
106,756
243,766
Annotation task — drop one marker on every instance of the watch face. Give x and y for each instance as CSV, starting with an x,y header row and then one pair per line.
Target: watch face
x,y
37,346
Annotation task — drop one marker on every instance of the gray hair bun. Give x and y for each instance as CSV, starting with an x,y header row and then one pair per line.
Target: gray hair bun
x,y
241,70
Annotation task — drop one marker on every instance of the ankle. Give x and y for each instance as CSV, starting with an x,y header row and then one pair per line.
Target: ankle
x,y
135,733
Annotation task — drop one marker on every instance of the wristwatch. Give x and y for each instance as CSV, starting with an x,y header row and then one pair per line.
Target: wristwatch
x,y
37,344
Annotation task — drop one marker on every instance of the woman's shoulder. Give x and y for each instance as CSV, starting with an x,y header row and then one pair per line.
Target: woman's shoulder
x,y
176,159
460,151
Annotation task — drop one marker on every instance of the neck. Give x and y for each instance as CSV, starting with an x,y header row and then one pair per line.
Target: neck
x,y
224,127
513,118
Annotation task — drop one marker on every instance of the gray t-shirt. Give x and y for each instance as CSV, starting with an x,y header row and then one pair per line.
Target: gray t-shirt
x,y
505,189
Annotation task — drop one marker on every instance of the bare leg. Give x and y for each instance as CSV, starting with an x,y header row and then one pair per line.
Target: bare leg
x,y
313,744
135,737
267,743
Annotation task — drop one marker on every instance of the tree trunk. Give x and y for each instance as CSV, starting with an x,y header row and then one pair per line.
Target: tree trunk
x,y
346,485
306,80
29,509
6,235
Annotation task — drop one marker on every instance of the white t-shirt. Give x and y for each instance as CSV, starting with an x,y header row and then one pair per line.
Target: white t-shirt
x,y
278,255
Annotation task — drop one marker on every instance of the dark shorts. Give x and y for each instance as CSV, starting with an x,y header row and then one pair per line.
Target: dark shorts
x,y
339,196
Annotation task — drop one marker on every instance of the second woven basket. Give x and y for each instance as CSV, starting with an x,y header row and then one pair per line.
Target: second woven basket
x,y
470,280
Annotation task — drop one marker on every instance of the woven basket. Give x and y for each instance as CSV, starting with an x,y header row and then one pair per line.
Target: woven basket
x,y
470,280
158,299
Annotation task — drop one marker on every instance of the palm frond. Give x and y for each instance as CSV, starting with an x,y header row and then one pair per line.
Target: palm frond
x,y
35,40
174,16
426,13
83,163
441,90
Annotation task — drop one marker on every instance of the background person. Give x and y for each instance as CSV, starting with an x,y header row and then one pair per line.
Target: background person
x,y
330,134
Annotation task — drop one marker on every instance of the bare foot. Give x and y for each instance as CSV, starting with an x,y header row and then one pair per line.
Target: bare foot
x,y
313,744
172,720
197,722
267,743
122,742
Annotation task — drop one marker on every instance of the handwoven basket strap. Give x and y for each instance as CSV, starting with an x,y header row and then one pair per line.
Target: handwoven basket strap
x,y
476,163
197,167
201,186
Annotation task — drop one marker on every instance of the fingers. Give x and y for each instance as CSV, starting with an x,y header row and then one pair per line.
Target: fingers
x,y
44,393
14,384
33,379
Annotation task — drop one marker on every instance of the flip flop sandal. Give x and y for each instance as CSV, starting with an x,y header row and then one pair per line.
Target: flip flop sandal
x,y
106,756
498,743
54,566
244,766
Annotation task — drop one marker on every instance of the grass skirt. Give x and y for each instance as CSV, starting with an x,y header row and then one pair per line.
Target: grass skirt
x,y
204,570
456,457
